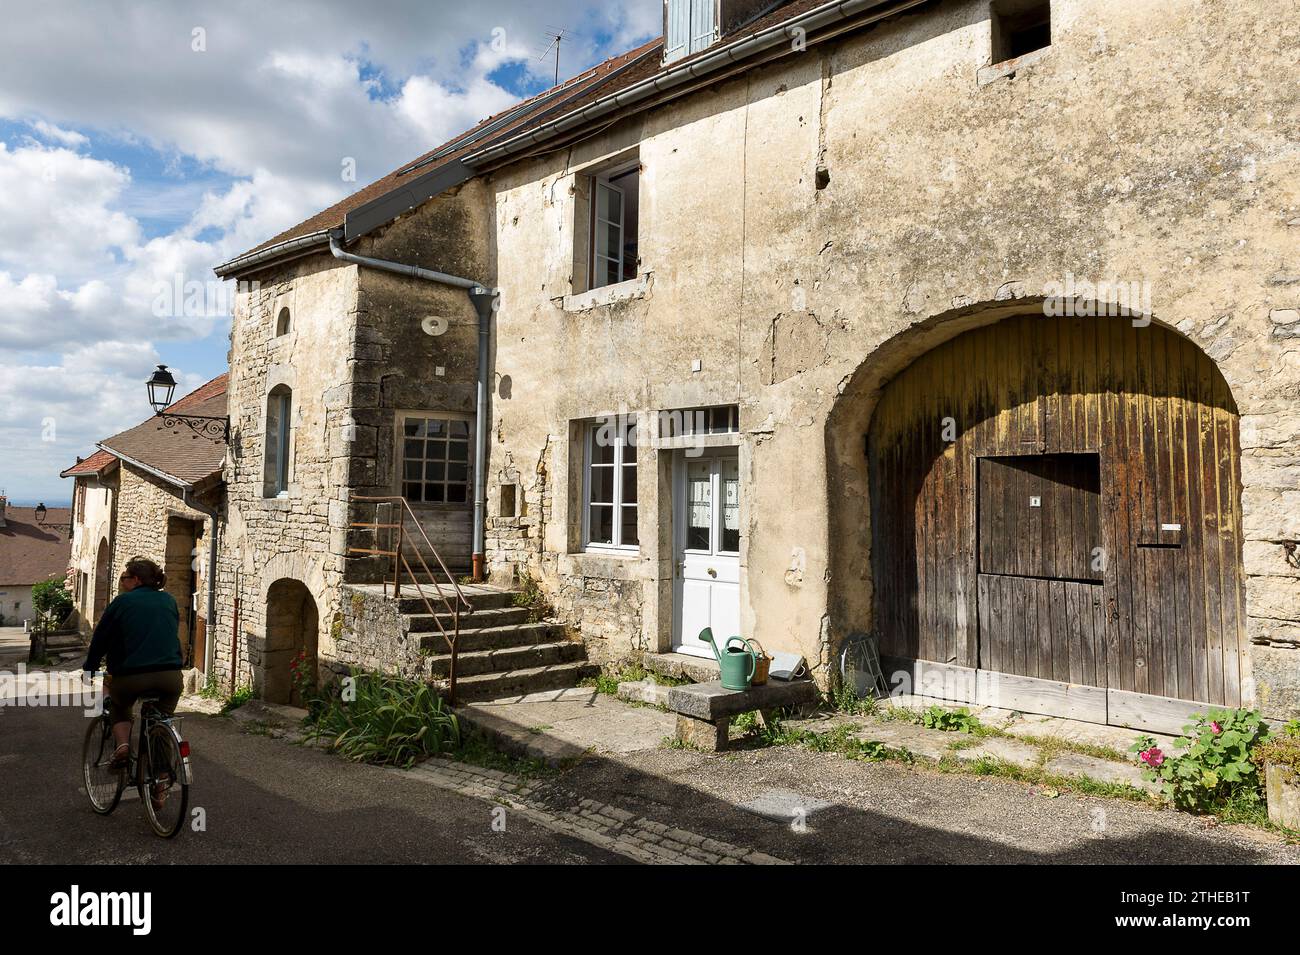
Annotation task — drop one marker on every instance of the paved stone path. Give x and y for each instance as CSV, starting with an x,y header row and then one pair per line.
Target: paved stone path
x,y
599,823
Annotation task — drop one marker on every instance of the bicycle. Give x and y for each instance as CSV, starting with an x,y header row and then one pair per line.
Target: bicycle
x,y
159,763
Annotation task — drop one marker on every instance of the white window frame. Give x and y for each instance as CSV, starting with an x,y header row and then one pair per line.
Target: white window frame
x,y
621,451
602,180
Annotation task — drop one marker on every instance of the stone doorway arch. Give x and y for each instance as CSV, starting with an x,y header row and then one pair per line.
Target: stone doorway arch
x,y
1000,464
292,632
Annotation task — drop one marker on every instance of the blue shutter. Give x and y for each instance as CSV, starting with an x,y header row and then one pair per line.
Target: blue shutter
x,y
703,24
677,29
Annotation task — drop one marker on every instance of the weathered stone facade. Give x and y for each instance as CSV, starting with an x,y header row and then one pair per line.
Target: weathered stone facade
x,y
93,533
807,229
154,522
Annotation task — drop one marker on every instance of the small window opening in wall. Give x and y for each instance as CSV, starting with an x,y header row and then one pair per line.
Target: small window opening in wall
x,y
1020,27
718,419
282,323
509,494
615,218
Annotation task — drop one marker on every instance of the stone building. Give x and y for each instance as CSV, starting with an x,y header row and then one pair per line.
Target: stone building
x,y
94,523
972,325
159,496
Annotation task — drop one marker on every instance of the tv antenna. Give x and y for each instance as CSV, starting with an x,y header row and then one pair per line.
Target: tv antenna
x,y
556,35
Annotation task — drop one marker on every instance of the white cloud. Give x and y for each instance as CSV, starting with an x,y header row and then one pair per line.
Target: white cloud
x,y
279,97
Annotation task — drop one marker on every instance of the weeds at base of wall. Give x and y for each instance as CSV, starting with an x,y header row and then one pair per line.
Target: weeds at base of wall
x,y
607,681
479,750
235,700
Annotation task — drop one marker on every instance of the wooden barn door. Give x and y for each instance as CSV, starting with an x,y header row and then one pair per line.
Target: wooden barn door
x,y
1057,501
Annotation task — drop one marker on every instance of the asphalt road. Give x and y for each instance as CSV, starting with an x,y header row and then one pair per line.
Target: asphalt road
x,y
265,801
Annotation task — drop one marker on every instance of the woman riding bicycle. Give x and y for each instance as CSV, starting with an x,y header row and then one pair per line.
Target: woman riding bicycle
x,y
139,634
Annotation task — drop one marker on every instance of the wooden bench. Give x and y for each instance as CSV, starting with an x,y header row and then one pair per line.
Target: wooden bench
x,y
704,710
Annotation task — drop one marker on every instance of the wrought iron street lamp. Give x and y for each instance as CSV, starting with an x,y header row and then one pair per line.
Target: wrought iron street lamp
x,y
161,386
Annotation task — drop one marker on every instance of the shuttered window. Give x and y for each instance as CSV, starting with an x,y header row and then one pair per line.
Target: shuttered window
x,y
689,26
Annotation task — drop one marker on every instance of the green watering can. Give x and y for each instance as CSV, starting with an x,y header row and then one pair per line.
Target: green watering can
x,y
736,660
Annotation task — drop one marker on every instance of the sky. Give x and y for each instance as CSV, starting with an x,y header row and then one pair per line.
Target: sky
x,y
143,143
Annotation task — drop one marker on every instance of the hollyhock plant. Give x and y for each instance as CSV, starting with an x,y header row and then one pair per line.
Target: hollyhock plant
x,y
1213,764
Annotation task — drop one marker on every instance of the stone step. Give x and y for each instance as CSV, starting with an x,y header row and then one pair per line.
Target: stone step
x,y
501,617
506,659
481,598
499,686
496,638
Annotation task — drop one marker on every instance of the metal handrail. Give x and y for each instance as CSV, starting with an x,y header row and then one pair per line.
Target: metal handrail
x,y
400,563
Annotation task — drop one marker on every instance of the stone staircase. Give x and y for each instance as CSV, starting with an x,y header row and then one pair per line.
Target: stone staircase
x,y
502,654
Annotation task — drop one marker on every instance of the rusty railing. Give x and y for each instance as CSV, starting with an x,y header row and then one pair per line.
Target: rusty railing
x,y
401,570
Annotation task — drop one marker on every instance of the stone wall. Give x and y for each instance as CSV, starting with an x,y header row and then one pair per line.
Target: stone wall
x,y
155,523
368,634
809,228
806,230
301,535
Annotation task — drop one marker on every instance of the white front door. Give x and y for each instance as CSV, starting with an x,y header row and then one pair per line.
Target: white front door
x,y
707,560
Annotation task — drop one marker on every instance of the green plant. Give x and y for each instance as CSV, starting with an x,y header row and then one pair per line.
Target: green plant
x,y
607,681
302,675
845,699
381,719
211,688
238,698
1280,749
531,597
1214,767
959,720
51,601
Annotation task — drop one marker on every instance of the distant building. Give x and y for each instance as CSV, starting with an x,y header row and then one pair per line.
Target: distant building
x,y
94,525
31,551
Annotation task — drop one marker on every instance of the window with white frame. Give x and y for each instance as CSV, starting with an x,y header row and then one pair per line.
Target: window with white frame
x,y
610,484
615,221
435,459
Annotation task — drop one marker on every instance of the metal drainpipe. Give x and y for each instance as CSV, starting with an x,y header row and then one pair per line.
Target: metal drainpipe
x,y
484,300
209,647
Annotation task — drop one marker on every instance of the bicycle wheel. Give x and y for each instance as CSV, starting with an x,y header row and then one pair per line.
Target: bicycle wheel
x,y
104,786
160,777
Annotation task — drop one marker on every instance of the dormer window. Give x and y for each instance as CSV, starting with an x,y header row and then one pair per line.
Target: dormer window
x,y
689,26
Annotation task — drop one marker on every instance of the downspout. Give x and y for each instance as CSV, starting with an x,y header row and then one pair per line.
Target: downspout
x,y
484,300
209,645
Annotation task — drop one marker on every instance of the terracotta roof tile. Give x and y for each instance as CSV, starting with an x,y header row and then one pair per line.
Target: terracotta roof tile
x,y
584,83
94,464
179,452
32,552
616,73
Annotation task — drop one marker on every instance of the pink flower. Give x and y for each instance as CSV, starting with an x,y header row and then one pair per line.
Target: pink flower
x,y
1216,727
1152,757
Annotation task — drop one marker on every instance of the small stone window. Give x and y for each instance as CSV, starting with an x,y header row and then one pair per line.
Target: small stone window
x,y
509,499
275,472
282,323
1020,27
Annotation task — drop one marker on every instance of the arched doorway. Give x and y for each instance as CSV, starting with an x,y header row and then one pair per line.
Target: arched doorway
x,y
291,633
102,572
1056,501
